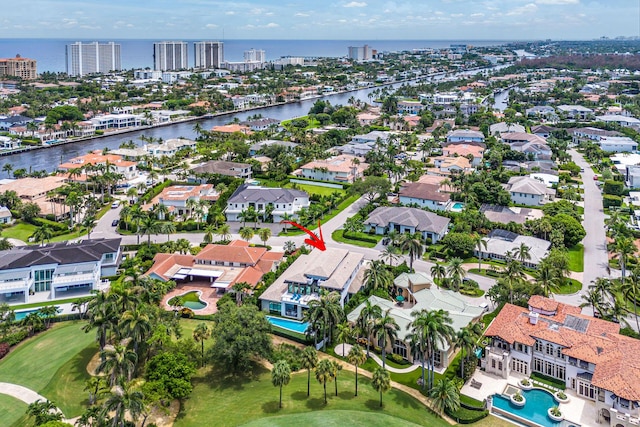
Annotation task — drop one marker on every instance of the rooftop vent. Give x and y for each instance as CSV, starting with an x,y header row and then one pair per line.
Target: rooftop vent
x,y
533,318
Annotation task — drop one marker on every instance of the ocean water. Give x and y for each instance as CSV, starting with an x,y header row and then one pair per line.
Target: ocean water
x,y
50,53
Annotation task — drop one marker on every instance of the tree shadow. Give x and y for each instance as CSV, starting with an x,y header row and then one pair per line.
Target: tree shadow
x,y
299,395
347,395
271,407
315,403
373,405
219,378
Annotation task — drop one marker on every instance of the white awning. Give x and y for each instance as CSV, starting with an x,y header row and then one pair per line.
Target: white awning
x,y
220,285
200,272
178,276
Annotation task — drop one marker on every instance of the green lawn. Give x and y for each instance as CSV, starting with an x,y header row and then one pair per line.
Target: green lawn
x,y
316,189
11,410
44,303
21,231
330,418
571,286
576,258
222,400
51,364
292,231
338,237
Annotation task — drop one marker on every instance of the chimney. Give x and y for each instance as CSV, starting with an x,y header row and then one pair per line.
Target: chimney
x,y
533,318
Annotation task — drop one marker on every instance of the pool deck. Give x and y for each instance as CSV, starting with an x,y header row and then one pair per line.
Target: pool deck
x,y
208,295
578,410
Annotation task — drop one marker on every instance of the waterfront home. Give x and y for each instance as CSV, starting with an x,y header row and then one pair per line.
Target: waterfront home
x,y
343,168
282,201
525,190
500,242
407,220
117,164
588,355
57,270
419,293
217,266
309,275
116,121
178,199
232,128
8,143
167,148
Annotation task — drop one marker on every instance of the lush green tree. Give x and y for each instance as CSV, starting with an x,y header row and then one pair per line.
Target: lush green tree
x,y
456,272
246,233
570,228
43,412
412,244
200,334
377,276
371,187
324,313
264,234
445,395
43,233
124,399
386,331
118,362
280,376
459,244
242,333
171,372
309,361
356,357
136,325
324,375
369,316
381,381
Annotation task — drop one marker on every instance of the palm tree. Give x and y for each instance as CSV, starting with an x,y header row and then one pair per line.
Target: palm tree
x,y
624,247
264,234
456,272
464,340
522,253
124,399
336,367
439,273
200,334
356,357
43,233
445,395
280,376
167,228
33,322
96,386
390,254
239,289
593,298
246,233
137,214
323,375
209,231
308,361
47,312
630,289
480,243
161,210
386,330
434,327
369,315
118,361
413,246
325,312
345,332
8,167
224,231
136,325
381,381
377,277
547,277
149,226
44,411
89,222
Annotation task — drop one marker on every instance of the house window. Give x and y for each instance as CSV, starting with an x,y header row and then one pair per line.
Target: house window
x,y
275,307
42,280
520,366
400,348
549,350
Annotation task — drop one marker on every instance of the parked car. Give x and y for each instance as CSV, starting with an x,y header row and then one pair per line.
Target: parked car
x,y
595,177
115,204
115,222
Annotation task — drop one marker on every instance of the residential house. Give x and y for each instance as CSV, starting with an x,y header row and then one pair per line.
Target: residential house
x,y
262,124
588,355
258,146
219,266
502,127
342,168
620,120
8,143
410,107
167,148
424,195
543,111
447,165
420,294
178,198
57,270
7,122
407,220
367,118
200,172
232,128
5,215
283,201
507,214
37,190
576,112
499,242
117,164
116,121
465,135
543,131
476,152
334,270
617,144
525,190
591,134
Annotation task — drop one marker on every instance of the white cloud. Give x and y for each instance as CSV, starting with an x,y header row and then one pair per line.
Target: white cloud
x,y
272,25
522,10
356,4
302,15
231,12
557,2
211,26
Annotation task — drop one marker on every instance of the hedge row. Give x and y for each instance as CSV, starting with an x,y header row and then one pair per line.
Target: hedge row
x,y
467,416
359,236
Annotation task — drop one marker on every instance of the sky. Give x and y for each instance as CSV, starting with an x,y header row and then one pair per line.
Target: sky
x,y
322,19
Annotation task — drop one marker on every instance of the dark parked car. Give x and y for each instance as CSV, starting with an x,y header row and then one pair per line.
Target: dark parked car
x,y
115,222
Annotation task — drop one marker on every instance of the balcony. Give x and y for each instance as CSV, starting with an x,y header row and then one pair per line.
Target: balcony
x,y
497,353
298,298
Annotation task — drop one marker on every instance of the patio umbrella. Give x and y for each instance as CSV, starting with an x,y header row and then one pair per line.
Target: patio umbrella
x,y
399,298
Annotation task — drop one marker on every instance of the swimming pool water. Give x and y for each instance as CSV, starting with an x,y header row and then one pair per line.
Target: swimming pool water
x,y
22,314
535,409
458,205
291,325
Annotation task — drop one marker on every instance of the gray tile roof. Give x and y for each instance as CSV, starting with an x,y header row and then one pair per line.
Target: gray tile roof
x,y
526,185
255,194
221,167
412,217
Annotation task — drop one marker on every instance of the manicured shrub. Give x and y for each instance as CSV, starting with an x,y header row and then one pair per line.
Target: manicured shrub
x,y
4,349
609,200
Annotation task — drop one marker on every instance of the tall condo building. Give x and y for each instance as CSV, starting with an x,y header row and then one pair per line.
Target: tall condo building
x,y
208,54
254,55
89,58
24,68
360,53
170,56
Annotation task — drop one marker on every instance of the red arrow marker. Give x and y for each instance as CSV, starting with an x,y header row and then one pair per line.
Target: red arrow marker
x,y
315,241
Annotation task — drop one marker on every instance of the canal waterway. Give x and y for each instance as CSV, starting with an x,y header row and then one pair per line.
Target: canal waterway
x,y
49,158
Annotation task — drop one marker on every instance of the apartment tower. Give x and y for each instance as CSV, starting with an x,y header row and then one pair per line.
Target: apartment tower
x,y
91,58
208,55
170,56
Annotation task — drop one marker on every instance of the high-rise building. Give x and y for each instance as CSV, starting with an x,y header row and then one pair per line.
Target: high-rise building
x,y
208,54
254,55
360,53
170,56
24,68
90,58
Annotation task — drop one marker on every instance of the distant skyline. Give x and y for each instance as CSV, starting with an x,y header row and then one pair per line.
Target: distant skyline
x,y
335,19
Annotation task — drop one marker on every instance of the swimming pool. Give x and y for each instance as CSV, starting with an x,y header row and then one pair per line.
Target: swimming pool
x,y
22,314
191,300
535,408
457,206
291,325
